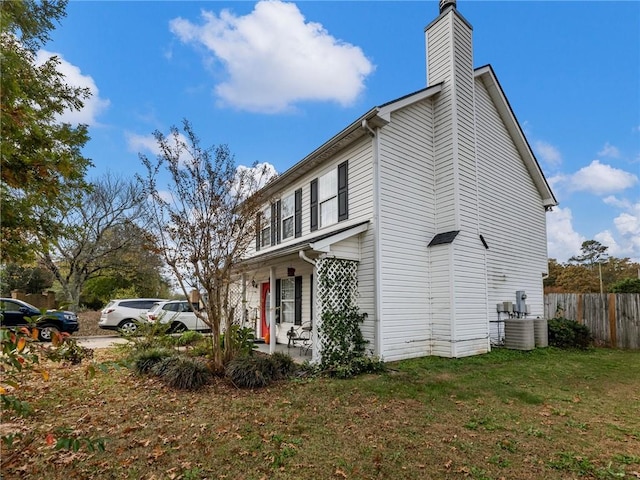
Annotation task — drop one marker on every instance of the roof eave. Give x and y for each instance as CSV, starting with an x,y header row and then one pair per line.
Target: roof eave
x,y
339,141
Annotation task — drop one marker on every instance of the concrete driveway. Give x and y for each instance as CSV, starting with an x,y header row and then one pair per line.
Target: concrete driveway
x,y
103,341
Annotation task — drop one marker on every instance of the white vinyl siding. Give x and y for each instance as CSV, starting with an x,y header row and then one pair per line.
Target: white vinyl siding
x,y
406,224
512,216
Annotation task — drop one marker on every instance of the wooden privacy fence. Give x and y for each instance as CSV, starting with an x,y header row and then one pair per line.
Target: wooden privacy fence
x,y
613,318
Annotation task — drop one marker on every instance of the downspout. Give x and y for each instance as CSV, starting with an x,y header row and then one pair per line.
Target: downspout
x,y
304,257
377,293
315,353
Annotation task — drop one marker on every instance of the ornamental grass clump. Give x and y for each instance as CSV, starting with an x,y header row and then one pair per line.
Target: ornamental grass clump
x,y
182,372
144,361
258,371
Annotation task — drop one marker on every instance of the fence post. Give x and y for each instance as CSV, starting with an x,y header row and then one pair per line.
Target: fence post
x,y
580,310
612,320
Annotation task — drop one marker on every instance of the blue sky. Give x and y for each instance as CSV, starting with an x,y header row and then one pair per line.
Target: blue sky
x,y
275,80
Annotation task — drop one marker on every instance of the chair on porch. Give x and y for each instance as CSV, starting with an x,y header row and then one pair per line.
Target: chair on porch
x,y
300,336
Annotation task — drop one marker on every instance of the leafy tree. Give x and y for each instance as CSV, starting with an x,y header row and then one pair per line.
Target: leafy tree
x,y
584,278
140,272
42,166
204,223
593,252
30,279
102,236
628,285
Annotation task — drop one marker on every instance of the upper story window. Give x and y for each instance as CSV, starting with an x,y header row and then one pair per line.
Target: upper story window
x,y
329,197
287,211
265,227
280,220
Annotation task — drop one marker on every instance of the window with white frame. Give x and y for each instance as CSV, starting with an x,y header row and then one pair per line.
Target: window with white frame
x,y
265,227
328,198
287,213
287,300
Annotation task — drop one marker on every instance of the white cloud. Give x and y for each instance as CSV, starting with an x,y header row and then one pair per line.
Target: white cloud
x,y
607,239
609,151
273,58
142,143
625,241
253,178
562,240
93,106
548,153
149,144
601,179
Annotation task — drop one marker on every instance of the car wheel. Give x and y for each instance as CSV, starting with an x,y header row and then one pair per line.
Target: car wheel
x,y
178,327
128,327
46,332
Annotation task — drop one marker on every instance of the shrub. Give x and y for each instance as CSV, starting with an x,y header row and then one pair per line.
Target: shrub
x,y
149,336
200,349
628,285
182,372
189,338
238,340
145,360
344,347
68,352
564,333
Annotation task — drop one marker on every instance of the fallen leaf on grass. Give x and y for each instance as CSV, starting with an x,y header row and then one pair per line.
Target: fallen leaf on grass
x,y
340,473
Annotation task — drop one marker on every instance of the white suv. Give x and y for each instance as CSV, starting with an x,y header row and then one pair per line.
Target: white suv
x,y
178,313
125,314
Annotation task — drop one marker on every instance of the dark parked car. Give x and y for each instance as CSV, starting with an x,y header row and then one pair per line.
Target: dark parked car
x,y
16,313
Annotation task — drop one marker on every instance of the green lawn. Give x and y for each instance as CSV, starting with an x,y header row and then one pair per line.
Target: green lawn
x,y
546,414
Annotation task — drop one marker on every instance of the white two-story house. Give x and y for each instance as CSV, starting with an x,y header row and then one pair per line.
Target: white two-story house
x,y
431,207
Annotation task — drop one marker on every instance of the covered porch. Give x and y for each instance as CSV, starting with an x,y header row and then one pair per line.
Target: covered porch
x,y
298,354
280,290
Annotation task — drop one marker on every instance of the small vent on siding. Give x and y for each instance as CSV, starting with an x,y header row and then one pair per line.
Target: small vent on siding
x,y
444,238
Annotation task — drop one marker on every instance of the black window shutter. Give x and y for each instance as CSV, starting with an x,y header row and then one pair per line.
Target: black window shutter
x,y
298,305
278,221
298,213
278,300
314,205
343,197
273,223
258,232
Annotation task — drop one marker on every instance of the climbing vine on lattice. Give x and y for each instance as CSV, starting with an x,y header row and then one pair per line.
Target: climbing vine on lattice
x,y
342,344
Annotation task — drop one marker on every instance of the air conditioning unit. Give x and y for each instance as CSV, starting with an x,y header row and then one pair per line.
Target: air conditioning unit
x,y
519,334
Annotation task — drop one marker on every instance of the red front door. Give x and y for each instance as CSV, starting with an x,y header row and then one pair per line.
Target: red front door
x,y
265,300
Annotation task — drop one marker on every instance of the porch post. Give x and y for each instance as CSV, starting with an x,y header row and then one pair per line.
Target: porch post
x,y
272,310
244,300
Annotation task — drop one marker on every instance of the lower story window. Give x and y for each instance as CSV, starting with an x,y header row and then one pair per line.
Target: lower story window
x,y
287,300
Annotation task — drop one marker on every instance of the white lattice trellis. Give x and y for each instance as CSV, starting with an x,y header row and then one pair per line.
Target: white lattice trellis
x,y
337,293
337,284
